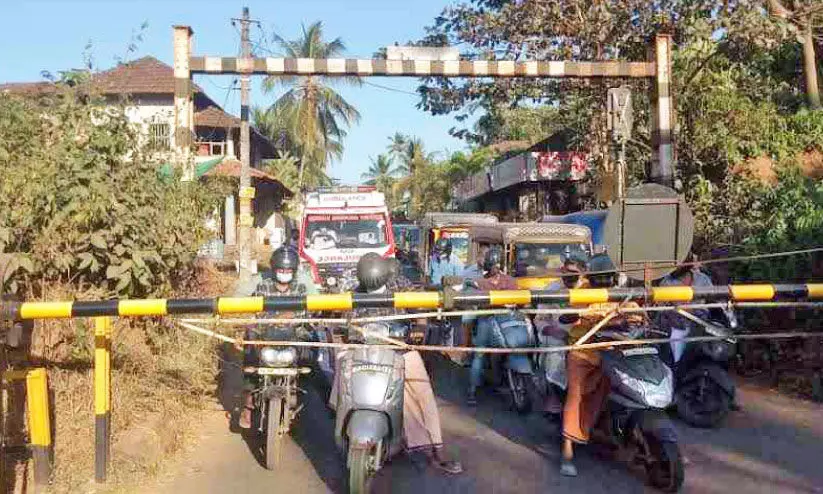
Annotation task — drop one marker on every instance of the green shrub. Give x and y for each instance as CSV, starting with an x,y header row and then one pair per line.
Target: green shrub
x,y
82,203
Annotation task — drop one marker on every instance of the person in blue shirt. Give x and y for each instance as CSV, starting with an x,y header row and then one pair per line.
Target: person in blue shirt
x,y
474,271
443,263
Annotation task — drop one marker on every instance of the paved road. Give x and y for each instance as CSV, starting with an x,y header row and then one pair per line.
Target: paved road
x,y
774,445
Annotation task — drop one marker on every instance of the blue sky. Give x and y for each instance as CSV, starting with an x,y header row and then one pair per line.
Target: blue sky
x,y
51,35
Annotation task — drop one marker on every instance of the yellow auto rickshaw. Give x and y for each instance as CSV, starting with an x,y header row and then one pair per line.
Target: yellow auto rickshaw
x,y
535,252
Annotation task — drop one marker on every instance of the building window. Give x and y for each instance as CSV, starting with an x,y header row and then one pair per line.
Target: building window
x,y
211,148
159,136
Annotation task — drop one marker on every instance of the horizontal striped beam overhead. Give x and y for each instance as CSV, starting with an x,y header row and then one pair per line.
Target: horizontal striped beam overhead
x,y
416,68
402,300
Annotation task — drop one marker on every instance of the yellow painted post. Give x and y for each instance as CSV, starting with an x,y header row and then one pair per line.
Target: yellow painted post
x,y
37,401
109,388
102,396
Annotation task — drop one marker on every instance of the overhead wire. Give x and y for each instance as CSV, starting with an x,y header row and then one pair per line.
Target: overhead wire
x,y
389,88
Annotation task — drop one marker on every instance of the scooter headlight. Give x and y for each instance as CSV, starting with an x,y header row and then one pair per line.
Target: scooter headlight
x,y
331,281
653,395
278,357
659,395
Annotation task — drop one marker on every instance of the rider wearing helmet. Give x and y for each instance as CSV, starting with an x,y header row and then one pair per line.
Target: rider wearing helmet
x,y
373,273
489,332
421,418
444,262
284,264
587,386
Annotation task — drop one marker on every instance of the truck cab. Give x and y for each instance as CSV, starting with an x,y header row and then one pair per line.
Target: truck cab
x,y
338,226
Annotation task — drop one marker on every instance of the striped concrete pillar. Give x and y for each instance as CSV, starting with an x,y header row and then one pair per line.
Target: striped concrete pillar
x,y
663,166
183,102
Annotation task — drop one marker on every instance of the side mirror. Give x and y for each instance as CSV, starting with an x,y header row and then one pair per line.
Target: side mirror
x,y
731,317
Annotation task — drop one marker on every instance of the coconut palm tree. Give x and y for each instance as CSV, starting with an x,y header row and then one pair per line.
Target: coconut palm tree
x,y
381,170
398,145
382,174
319,114
415,167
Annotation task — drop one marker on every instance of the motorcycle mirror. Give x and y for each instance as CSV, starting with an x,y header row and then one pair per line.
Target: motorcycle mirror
x,y
731,316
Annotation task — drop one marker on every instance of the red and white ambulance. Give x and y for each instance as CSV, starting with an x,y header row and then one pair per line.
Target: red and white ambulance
x,y
339,225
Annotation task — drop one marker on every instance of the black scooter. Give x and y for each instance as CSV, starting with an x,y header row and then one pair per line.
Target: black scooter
x,y
705,391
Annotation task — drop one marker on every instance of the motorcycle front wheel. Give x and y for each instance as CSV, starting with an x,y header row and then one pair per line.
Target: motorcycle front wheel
x,y
360,471
664,464
277,421
702,403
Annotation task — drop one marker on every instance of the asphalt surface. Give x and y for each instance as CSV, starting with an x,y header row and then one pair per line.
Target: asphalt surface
x,y
775,444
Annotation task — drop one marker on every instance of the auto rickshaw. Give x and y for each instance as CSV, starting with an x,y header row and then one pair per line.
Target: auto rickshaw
x,y
407,239
453,226
485,237
535,252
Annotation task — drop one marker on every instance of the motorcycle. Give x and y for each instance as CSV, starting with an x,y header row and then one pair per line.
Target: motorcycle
x,y
513,330
642,387
277,370
633,419
276,403
369,404
705,392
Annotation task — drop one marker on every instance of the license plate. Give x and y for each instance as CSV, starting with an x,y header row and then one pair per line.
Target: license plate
x,y
278,371
633,352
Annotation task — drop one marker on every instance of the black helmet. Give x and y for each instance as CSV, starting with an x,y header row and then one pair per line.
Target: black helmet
x,y
571,271
284,258
604,274
443,245
373,272
492,258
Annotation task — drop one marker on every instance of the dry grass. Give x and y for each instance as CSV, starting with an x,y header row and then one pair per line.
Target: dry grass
x,y
162,377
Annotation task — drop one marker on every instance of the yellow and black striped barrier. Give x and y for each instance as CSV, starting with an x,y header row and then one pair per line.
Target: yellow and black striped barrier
x,y
39,421
404,300
102,397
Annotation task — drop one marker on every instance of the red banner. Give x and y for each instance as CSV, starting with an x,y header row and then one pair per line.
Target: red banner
x,y
561,165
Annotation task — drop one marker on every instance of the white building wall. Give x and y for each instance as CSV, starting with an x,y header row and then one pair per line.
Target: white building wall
x,y
148,109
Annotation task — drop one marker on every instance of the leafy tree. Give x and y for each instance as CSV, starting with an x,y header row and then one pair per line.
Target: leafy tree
x,y
530,124
316,113
279,126
804,16
579,30
415,167
461,165
398,146
382,174
82,203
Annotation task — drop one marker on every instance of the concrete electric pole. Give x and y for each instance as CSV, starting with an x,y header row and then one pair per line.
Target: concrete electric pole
x,y
246,192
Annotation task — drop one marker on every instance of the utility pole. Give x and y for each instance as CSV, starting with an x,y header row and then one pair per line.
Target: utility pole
x,y
246,192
